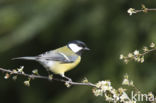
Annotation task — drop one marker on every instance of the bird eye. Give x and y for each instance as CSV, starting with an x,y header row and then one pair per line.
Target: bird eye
x,y
79,45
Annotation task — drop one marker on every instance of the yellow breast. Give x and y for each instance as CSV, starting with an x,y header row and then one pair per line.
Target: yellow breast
x,y
60,68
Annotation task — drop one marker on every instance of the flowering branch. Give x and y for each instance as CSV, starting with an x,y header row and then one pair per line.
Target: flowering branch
x,y
34,76
144,10
137,56
102,88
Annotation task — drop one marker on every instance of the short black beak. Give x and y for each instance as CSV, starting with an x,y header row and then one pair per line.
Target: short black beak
x,y
86,48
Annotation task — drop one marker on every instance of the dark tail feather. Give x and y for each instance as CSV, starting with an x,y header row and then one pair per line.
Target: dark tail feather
x,y
25,58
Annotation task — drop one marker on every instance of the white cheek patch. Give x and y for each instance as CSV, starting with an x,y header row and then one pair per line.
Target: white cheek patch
x,y
75,48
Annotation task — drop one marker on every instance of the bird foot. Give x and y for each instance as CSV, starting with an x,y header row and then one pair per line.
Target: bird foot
x,y
68,79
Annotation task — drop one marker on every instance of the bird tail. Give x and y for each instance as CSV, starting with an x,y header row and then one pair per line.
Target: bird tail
x,y
25,58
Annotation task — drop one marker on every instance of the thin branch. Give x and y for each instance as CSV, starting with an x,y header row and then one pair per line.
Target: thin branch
x,y
149,51
145,10
32,76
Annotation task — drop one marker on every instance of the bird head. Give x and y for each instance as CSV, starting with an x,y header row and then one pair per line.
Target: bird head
x,y
77,46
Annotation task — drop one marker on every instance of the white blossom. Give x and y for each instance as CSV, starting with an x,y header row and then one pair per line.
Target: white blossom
x,y
152,45
121,56
136,52
27,83
131,11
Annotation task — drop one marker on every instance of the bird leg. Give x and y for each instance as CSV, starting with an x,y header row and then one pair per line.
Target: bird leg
x,y
50,74
69,79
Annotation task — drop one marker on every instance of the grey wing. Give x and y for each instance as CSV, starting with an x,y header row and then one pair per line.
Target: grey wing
x,y
57,56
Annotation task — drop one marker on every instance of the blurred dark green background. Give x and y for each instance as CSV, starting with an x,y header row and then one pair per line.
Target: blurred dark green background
x,y
31,27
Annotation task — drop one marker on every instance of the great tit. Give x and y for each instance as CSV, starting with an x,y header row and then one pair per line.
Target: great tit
x,y
62,59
